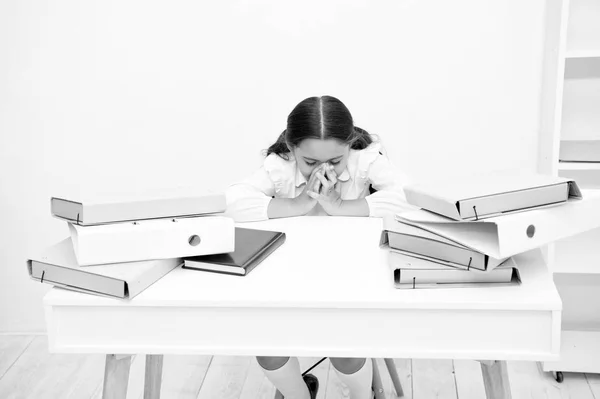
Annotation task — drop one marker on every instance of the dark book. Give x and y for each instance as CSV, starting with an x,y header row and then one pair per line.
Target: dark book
x,y
251,248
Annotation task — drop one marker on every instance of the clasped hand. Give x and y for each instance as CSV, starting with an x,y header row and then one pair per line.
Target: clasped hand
x,y
324,189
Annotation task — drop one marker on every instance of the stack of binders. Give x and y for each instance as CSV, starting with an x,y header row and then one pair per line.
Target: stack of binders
x,y
120,244
468,229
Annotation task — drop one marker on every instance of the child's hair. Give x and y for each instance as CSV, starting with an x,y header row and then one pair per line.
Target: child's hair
x,y
323,117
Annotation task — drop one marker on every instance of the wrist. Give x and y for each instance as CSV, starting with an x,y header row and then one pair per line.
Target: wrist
x,y
338,210
303,204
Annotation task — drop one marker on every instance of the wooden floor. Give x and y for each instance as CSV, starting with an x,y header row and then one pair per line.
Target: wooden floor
x,y
28,371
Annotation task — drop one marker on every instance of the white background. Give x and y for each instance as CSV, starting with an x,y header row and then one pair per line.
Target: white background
x,y
150,93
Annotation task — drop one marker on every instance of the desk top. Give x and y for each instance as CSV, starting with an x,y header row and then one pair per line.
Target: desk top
x,y
328,262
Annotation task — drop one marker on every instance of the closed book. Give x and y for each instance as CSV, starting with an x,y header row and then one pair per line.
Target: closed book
x,y
579,151
414,273
58,266
88,207
152,239
251,248
486,195
422,243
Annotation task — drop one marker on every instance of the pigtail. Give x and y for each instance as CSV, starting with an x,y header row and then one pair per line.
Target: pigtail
x,y
280,147
361,139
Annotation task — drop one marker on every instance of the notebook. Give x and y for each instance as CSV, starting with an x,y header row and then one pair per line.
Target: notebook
x,y
491,194
414,273
57,266
579,151
251,248
88,207
152,239
426,245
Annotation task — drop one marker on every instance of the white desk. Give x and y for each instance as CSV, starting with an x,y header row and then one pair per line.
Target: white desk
x,y
329,274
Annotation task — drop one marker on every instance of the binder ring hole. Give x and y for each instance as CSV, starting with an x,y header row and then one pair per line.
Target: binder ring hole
x,y
530,231
194,240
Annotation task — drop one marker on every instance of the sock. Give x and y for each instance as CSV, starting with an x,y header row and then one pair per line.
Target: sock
x,y
288,380
360,383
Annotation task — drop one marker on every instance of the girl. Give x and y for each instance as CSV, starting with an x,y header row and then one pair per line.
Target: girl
x,y
320,165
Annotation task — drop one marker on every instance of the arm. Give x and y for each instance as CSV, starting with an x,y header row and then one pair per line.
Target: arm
x,y
252,200
389,182
357,207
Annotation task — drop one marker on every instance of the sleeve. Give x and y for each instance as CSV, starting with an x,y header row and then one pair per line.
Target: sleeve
x,y
389,182
248,200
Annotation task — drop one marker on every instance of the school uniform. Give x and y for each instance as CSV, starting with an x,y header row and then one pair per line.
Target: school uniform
x,y
369,174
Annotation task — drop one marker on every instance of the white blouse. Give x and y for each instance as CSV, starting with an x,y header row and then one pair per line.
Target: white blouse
x,y
249,199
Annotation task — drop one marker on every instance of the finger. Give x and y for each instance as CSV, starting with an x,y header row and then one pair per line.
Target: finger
x,y
312,178
331,175
324,181
316,186
319,168
312,194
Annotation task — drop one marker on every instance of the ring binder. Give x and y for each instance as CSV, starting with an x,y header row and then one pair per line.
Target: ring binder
x,y
42,278
475,210
414,282
77,218
469,265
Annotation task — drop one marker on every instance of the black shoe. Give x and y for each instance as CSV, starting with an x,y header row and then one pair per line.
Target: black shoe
x,y
312,383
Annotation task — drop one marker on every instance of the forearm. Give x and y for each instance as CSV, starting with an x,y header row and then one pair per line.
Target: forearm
x,y
286,207
357,207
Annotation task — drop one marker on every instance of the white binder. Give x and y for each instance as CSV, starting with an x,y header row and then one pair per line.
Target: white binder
x,y
152,239
416,242
57,266
86,207
511,234
486,195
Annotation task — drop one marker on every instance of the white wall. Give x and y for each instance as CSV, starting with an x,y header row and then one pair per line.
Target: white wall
x,y
188,92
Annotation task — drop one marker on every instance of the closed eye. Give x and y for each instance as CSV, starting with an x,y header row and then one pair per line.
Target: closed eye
x,y
311,163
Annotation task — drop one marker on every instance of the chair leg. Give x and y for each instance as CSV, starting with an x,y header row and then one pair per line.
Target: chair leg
x,y
377,384
391,366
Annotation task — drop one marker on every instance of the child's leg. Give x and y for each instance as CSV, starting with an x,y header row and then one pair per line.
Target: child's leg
x,y
357,374
285,374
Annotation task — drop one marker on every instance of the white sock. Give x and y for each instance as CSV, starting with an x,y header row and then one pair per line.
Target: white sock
x,y
360,382
288,380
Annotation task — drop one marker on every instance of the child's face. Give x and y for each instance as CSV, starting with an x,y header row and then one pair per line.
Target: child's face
x,y
313,152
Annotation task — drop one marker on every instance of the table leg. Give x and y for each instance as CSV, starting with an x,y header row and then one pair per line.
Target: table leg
x,y
495,380
116,376
153,376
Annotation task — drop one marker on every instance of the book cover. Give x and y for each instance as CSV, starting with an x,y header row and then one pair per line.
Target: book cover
x,y
251,248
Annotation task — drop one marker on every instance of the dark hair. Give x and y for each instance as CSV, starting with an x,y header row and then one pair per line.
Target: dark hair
x,y
323,118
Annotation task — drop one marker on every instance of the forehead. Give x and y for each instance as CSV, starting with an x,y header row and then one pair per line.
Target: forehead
x,y
321,150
